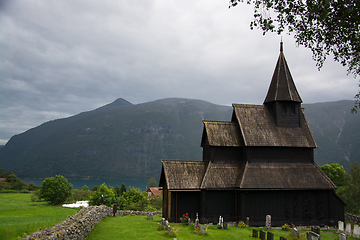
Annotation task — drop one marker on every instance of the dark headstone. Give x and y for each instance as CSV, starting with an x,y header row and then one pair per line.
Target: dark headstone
x,y
255,233
262,235
315,229
283,238
270,236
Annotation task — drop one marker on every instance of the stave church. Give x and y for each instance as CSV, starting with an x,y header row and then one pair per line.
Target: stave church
x,y
259,163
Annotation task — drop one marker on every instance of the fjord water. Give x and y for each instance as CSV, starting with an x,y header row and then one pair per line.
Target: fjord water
x,y
91,183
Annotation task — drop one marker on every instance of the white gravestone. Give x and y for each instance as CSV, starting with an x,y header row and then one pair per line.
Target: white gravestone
x,y
202,229
356,231
348,229
295,232
340,226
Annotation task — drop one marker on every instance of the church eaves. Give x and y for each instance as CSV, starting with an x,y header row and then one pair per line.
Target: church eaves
x,y
282,87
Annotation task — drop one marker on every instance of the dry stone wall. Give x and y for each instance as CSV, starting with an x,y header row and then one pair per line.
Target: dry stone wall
x,y
78,226
352,218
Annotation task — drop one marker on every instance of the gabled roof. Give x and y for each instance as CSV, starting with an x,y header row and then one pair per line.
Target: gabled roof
x,y
258,128
182,175
284,176
282,87
218,133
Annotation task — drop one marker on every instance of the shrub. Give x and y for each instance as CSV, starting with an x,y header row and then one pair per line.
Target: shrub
x,y
35,196
55,189
184,218
103,196
286,227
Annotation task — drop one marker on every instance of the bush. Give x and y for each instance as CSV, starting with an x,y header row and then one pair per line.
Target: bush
x,y
55,189
35,196
103,196
286,227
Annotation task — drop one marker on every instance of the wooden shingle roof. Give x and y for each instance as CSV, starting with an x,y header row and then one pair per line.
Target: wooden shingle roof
x,y
282,87
258,128
183,175
218,133
221,176
285,176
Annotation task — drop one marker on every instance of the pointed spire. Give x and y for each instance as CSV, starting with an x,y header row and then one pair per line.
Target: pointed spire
x,y
282,86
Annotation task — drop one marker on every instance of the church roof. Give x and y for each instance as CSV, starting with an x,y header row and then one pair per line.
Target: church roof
x,y
284,176
218,133
282,87
192,176
258,128
182,175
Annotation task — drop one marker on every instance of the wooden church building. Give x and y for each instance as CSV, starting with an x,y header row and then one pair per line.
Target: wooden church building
x,y
259,163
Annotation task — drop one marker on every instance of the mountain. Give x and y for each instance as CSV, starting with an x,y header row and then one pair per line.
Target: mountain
x,y
126,141
336,131
116,141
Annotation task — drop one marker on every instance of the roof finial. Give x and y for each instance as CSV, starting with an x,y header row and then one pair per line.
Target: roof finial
x,y
281,45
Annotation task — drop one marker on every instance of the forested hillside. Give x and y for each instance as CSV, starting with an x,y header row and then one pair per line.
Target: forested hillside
x,y
126,141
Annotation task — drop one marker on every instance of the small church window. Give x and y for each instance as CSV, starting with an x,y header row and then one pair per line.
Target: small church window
x,y
293,110
283,109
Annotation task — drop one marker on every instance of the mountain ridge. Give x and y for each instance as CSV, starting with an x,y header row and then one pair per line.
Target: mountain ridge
x,y
121,140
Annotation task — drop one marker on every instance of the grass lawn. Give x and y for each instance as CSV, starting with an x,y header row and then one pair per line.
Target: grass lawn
x,y
137,227
19,216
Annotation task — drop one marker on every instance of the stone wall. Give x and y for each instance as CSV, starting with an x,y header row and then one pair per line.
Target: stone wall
x,y
78,226
352,218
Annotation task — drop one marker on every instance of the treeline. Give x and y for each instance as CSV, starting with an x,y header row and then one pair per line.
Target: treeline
x,y
12,184
348,184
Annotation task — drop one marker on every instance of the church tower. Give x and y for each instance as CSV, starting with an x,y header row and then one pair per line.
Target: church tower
x,y
282,98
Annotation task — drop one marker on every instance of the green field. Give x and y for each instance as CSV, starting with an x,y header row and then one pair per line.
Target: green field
x,y
19,216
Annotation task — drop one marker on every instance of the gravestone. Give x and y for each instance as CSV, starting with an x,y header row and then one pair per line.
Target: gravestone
x,y
348,229
255,233
196,225
340,226
283,238
150,216
166,223
162,222
168,229
247,221
356,231
225,226
342,236
270,236
202,229
312,236
315,229
262,234
189,222
268,222
295,232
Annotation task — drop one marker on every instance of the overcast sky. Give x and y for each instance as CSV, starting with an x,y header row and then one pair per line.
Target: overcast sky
x,y
60,58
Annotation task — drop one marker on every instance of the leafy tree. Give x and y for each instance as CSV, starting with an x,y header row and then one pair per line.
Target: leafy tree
x,y
324,26
336,173
122,188
55,189
85,188
32,186
152,182
134,199
103,196
11,178
94,188
350,192
117,191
